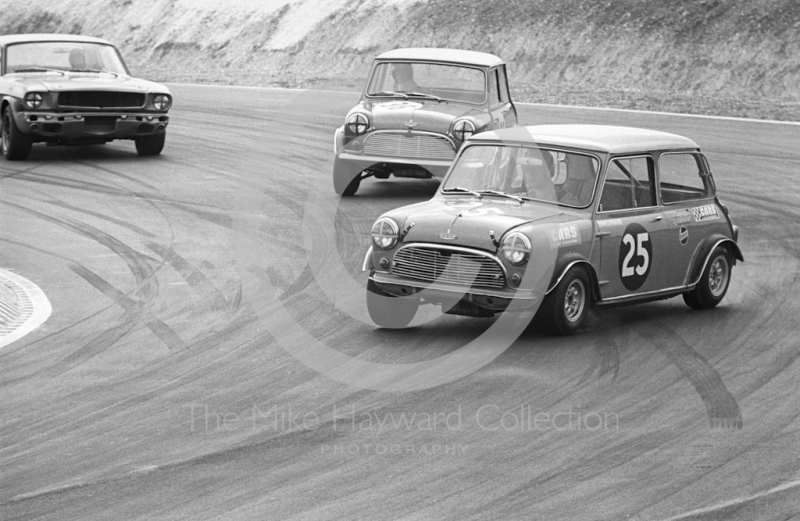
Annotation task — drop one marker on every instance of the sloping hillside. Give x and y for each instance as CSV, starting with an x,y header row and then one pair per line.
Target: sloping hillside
x,y
707,56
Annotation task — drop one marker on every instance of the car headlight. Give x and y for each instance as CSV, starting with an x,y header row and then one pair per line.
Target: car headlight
x,y
463,128
161,101
516,248
33,100
357,123
384,233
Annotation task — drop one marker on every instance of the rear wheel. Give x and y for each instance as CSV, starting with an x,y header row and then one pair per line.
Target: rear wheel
x,y
564,309
16,145
713,283
390,311
150,145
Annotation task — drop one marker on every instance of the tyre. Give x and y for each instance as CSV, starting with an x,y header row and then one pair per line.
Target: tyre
x,y
150,145
564,309
15,144
345,183
714,281
389,311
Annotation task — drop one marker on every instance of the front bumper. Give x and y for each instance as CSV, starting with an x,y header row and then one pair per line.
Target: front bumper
x,y
438,293
75,125
437,168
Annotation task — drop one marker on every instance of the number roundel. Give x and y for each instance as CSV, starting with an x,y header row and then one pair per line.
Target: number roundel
x,y
635,256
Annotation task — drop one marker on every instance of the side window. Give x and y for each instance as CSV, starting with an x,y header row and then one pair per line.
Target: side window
x,y
681,178
494,94
503,87
629,184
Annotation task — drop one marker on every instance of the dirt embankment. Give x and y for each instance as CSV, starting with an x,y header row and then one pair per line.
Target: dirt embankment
x,y
710,56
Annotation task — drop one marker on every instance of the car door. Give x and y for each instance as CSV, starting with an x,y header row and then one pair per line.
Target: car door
x,y
630,226
501,109
686,198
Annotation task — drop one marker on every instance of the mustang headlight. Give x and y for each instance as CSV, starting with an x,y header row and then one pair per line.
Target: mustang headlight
x,y
384,233
463,128
33,100
161,101
516,248
357,124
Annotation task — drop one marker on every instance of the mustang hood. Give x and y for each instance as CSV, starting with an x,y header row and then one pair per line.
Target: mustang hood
x,y
467,222
422,115
90,82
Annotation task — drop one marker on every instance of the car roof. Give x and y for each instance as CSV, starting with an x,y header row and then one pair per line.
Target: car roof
x,y
601,138
49,37
445,55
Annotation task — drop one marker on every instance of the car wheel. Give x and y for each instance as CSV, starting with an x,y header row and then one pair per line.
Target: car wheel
x,y
150,145
344,183
16,145
565,308
713,283
390,311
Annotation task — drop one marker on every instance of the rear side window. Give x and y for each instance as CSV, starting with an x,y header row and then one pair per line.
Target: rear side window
x,y
494,90
681,178
504,97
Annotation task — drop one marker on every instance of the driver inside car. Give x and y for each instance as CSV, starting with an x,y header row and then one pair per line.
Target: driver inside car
x,y
536,173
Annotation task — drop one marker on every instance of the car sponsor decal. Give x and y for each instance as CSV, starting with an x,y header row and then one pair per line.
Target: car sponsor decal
x,y
398,105
705,213
635,256
480,212
683,235
680,216
564,236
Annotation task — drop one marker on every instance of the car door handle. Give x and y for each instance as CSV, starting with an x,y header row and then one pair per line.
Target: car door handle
x,y
656,218
602,234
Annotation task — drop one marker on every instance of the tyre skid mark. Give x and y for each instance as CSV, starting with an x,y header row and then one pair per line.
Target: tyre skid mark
x,y
721,407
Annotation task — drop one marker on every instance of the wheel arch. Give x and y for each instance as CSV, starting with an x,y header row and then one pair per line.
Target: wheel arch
x,y
564,264
707,248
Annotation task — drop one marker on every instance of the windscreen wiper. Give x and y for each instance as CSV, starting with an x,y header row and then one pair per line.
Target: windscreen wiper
x,y
98,71
461,190
40,69
389,93
502,194
423,95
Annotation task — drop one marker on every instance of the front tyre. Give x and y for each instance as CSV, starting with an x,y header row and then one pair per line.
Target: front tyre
x,y
713,283
387,310
564,309
16,145
150,145
345,180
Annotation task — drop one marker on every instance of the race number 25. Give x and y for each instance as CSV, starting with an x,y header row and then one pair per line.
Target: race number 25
x,y
635,255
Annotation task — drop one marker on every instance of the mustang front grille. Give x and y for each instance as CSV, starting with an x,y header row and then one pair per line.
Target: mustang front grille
x,y
100,99
448,267
408,145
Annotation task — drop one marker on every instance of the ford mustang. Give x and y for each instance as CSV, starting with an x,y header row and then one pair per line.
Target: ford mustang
x,y
65,89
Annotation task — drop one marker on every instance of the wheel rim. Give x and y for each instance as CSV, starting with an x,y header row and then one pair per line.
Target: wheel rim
x,y
574,300
718,275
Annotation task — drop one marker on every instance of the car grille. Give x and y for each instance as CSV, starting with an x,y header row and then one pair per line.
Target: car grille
x,y
409,145
448,267
100,99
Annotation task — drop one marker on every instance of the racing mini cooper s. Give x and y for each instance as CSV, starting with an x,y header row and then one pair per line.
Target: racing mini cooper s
x,y
559,217
416,110
64,89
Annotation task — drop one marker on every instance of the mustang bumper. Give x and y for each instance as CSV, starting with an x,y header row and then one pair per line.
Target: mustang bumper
x,y
73,125
437,293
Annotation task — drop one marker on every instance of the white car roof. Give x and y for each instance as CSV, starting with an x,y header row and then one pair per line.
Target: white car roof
x,y
602,138
49,37
445,55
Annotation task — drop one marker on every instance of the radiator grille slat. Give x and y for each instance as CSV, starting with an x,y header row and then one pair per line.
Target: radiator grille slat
x,y
448,267
100,99
404,145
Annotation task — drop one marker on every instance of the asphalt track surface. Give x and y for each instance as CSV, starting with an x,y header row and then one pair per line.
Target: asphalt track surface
x,y
168,381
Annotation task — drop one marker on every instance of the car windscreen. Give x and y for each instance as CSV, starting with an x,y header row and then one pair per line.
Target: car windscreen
x,y
63,56
532,173
448,82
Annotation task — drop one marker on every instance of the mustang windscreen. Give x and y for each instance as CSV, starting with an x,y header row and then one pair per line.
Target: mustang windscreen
x,y
451,82
63,56
531,173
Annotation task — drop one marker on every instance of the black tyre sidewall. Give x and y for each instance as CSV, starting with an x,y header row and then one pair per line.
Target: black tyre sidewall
x,y
151,145
701,297
19,145
388,311
554,317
